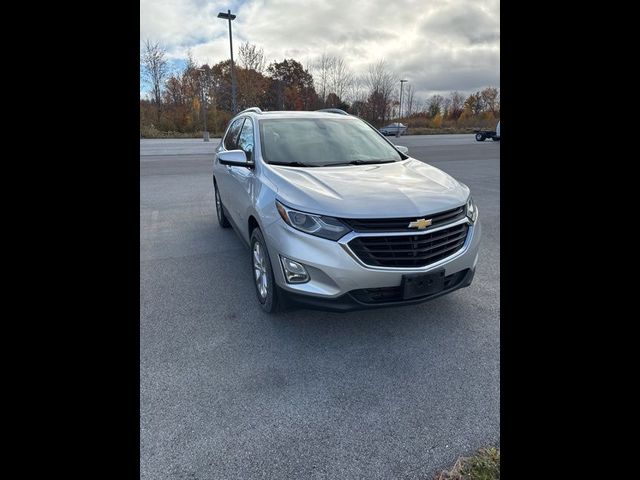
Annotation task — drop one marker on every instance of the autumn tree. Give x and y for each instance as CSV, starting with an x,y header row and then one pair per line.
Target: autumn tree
x,y
457,105
490,100
434,105
409,100
207,86
446,107
359,108
155,69
378,108
221,84
473,105
291,86
251,57
340,78
181,100
252,88
252,84
322,68
356,94
190,80
173,91
332,76
380,82
192,87
333,101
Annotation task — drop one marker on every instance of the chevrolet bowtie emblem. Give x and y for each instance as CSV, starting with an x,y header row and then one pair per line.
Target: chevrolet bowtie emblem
x,y
420,224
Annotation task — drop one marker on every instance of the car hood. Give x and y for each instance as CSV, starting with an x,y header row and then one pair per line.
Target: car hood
x,y
408,188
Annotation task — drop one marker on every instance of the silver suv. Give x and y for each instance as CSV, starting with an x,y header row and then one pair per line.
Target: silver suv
x,y
337,217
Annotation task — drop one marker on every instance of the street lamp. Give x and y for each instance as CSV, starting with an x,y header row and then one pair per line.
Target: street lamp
x,y
400,113
205,134
229,16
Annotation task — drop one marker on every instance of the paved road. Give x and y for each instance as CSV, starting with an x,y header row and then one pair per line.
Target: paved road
x,y
227,391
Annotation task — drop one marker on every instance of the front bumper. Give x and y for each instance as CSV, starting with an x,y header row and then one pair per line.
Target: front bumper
x,y
336,272
354,300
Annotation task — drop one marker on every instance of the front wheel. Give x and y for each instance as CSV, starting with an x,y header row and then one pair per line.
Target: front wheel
x,y
496,139
479,137
263,279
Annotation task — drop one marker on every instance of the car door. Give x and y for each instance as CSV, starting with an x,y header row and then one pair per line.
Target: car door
x,y
242,179
229,142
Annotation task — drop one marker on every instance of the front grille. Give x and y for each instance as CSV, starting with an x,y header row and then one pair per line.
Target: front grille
x,y
402,224
394,294
409,250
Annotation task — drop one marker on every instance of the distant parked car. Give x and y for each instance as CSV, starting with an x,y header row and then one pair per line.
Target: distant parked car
x,y
482,135
393,128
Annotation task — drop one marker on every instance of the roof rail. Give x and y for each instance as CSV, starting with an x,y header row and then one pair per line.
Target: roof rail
x,y
333,110
252,109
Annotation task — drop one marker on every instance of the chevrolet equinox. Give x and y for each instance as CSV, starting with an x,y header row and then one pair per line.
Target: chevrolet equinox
x,y
338,218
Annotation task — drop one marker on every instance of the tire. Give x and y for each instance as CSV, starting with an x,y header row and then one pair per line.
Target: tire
x,y
496,139
267,291
480,137
222,218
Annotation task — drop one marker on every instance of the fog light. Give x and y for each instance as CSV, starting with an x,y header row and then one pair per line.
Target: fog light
x,y
294,272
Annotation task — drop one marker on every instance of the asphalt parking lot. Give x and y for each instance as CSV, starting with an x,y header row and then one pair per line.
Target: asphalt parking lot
x,y
230,392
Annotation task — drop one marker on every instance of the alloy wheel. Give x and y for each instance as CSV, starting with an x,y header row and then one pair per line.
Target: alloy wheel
x,y
260,270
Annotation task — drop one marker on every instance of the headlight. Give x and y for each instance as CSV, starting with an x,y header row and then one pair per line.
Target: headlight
x,y
472,210
318,225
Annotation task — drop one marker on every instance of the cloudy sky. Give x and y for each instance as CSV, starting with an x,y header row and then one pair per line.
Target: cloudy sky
x,y
438,45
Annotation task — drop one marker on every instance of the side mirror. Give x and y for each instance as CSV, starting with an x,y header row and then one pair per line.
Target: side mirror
x,y
402,149
234,158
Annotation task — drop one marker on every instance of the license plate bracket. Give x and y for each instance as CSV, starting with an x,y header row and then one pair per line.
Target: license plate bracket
x,y
422,284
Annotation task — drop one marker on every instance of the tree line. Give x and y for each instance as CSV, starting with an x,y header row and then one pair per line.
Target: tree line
x,y
177,101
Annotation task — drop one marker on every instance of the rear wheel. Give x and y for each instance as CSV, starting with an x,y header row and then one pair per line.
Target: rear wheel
x,y
496,139
222,219
480,137
266,289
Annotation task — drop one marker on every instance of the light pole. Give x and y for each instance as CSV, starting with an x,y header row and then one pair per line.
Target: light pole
x,y
400,112
205,134
229,16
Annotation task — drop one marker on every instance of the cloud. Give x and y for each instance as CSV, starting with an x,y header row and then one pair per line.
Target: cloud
x,y
468,24
436,44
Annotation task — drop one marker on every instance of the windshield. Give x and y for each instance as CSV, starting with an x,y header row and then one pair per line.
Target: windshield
x,y
319,142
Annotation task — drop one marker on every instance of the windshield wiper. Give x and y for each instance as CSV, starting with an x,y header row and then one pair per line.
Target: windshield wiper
x,y
359,162
292,164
